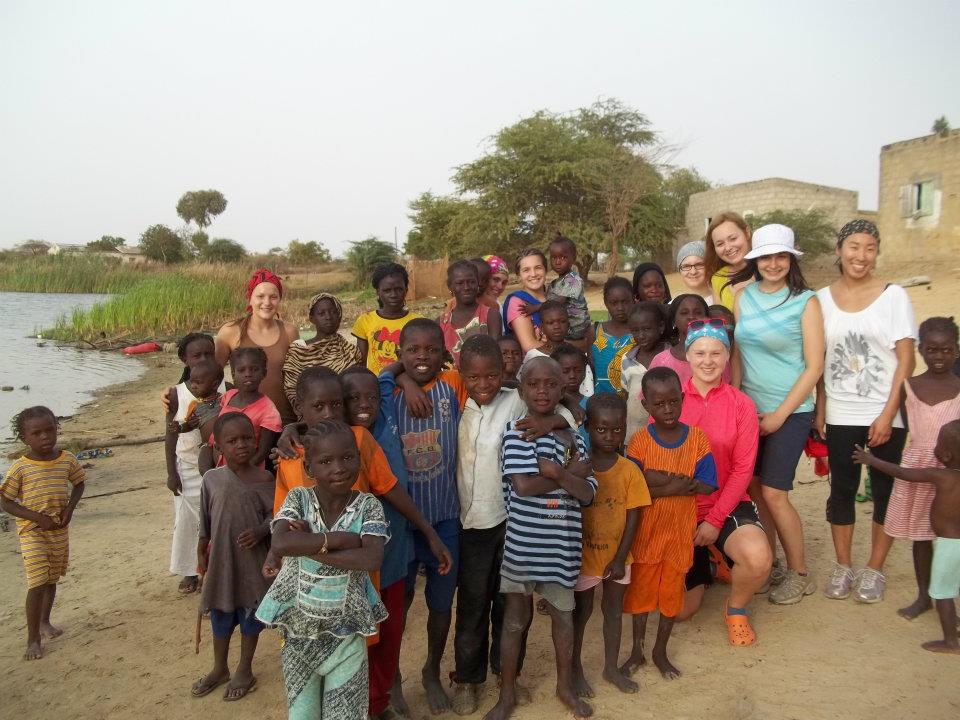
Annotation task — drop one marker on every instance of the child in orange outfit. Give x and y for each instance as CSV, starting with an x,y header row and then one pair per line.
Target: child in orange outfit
x,y
677,464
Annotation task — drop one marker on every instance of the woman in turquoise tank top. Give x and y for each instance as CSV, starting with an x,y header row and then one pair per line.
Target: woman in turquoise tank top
x,y
778,358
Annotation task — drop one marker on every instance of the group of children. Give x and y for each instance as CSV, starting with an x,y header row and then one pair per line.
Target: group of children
x,y
452,455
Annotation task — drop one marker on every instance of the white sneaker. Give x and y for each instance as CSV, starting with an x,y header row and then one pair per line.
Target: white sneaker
x,y
840,583
869,586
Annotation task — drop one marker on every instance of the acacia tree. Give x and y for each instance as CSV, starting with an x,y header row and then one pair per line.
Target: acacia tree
x,y
201,207
941,126
223,250
307,253
593,174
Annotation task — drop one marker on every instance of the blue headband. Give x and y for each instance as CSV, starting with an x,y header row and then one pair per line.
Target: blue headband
x,y
707,331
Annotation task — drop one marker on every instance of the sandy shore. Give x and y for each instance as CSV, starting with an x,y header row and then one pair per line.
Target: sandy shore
x,y
128,647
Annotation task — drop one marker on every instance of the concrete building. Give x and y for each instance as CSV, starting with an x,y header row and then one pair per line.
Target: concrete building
x,y
763,196
919,208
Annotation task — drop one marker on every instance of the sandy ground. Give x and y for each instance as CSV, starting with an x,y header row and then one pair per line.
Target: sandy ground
x,y
128,647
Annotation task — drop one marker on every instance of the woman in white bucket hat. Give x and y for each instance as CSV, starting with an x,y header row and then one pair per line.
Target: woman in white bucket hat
x,y
778,359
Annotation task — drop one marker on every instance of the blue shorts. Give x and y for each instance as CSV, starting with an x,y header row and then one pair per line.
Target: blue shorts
x,y
778,453
440,589
223,623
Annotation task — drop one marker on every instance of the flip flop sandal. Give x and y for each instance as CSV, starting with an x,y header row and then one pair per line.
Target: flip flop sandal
x,y
738,628
721,570
243,691
208,689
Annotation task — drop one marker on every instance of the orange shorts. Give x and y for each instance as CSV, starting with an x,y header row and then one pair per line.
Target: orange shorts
x,y
656,586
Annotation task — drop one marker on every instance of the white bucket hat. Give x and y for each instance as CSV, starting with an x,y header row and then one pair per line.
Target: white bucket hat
x,y
772,239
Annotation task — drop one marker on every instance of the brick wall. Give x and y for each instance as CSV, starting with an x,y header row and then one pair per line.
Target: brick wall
x,y
914,228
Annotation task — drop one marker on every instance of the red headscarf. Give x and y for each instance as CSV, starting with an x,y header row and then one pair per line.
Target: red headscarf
x,y
261,276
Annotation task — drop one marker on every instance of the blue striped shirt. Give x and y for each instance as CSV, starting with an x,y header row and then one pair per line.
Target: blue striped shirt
x,y
430,446
544,537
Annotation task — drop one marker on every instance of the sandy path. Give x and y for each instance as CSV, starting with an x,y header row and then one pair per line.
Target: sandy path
x,y
128,647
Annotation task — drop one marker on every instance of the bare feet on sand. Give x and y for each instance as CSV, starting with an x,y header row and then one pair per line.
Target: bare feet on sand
x,y
581,688
941,646
397,701
914,609
633,663
502,710
436,695
50,631
34,651
579,707
665,667
624,684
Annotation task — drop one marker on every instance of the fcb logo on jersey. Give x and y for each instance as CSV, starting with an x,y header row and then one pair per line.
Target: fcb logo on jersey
x,y
422,450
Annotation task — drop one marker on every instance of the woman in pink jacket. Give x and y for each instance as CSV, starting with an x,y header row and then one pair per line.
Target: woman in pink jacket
x,y
727,519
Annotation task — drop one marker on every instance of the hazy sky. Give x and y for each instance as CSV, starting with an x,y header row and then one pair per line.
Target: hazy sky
x,y
321,121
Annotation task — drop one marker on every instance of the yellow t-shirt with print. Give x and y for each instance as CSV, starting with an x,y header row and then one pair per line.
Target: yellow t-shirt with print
x,y
382,336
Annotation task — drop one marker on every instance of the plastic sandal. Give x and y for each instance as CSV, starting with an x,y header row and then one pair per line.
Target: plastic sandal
x,y
738,628
721,571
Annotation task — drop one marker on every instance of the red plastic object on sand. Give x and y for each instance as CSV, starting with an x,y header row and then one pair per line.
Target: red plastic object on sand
x,y
817,449
146,347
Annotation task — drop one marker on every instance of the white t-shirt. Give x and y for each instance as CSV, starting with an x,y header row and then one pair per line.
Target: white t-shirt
x,y
860,361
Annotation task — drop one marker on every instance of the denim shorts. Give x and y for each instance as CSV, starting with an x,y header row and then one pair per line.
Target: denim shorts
x,y
223,622
440,589
779,452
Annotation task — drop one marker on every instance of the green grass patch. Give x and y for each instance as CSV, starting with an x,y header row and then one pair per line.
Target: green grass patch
x,y
69,273
159,307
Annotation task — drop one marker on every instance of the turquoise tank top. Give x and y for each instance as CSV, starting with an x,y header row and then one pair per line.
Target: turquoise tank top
x,y
770,340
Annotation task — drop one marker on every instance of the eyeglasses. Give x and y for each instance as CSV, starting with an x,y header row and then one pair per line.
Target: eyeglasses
x,y
692,268
694,325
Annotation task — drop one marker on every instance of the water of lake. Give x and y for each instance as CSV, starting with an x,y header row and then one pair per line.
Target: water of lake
x,y
62,378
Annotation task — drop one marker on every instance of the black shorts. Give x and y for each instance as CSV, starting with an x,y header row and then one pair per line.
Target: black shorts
x,y
700,573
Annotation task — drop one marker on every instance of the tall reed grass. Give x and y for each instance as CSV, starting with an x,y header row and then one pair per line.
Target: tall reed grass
x,y
156,308
69,273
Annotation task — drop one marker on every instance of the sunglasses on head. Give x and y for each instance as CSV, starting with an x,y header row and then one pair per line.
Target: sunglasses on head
x,y
712,322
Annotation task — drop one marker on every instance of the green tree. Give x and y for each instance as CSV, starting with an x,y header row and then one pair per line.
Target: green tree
x,y
437,222
106,243
275,251
364,255
307,253
158,242
223,250
199,242
201,206
941,126
592,174
813,230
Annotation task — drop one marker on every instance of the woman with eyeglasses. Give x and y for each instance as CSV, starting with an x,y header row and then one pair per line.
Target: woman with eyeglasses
x,y
777,361
727,519
693,269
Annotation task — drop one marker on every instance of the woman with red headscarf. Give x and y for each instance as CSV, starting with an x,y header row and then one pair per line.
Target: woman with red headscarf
x,y
262,327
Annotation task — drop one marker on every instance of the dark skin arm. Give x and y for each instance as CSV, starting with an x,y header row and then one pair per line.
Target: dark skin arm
x,y
170,443
290,440
571,478
933,475
208,458
616,568
664,484
363,346
348,551
536,426
66,515
252,536
401,500
417,401
267,441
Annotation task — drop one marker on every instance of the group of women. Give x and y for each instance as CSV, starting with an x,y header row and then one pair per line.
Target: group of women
x,y
760,388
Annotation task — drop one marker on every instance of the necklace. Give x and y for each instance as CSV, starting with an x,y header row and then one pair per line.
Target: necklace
x,y
322,512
